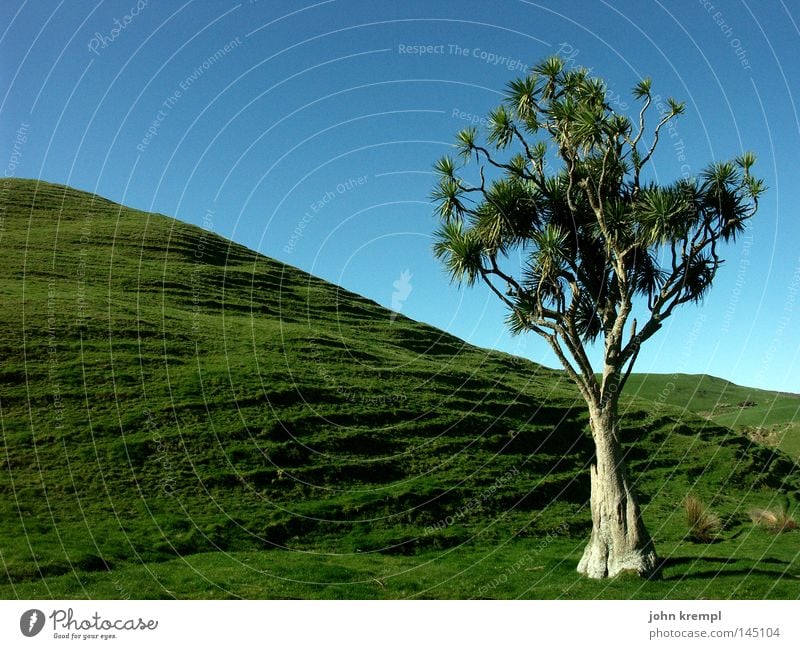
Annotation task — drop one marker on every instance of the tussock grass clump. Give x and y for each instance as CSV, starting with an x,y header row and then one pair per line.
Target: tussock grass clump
x,y
704,525
775,521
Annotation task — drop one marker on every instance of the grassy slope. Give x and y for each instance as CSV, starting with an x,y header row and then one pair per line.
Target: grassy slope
x,y
772,418
183,417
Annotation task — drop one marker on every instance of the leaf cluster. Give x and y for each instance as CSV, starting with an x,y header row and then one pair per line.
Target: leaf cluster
x,y
565,197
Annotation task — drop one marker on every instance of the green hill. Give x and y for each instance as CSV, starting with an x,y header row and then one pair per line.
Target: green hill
x,y
770,418
183,417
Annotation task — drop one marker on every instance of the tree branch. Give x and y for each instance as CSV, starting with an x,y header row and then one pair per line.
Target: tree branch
x,y
642,112
637,346
501,165
652,148
579,379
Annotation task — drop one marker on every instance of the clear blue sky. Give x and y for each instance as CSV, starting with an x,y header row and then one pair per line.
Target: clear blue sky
x,y
274,114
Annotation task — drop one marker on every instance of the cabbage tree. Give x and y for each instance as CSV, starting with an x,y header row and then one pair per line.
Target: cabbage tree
x,y
560,217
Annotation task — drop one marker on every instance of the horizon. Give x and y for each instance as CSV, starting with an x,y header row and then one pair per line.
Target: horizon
x,y
308,134
555,368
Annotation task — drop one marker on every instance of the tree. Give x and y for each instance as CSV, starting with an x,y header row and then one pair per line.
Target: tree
x,y
595,242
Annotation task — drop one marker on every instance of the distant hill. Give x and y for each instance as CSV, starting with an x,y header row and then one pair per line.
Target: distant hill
x,y
184,417
770,418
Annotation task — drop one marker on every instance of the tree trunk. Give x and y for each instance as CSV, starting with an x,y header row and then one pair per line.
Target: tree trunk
x,y
620,542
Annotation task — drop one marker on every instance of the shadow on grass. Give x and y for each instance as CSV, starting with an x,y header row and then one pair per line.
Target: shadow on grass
x,y
727,568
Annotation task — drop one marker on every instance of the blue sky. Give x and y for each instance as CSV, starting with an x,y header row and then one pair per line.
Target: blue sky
x,y
307,131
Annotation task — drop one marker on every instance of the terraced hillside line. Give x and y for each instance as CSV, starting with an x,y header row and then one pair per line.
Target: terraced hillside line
x,y
239,428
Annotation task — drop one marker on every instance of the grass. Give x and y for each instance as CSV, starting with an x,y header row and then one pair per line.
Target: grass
x,y
704,525
769,418
182,417
734,570
776,521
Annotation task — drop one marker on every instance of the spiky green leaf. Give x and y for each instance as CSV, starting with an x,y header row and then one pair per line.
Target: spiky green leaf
x,y
501,131
460,251
642,89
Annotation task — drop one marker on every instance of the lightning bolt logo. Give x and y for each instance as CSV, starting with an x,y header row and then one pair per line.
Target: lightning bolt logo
x,y
403,288
31,622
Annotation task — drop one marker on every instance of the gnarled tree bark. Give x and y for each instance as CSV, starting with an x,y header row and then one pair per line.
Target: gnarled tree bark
x,y
619,542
